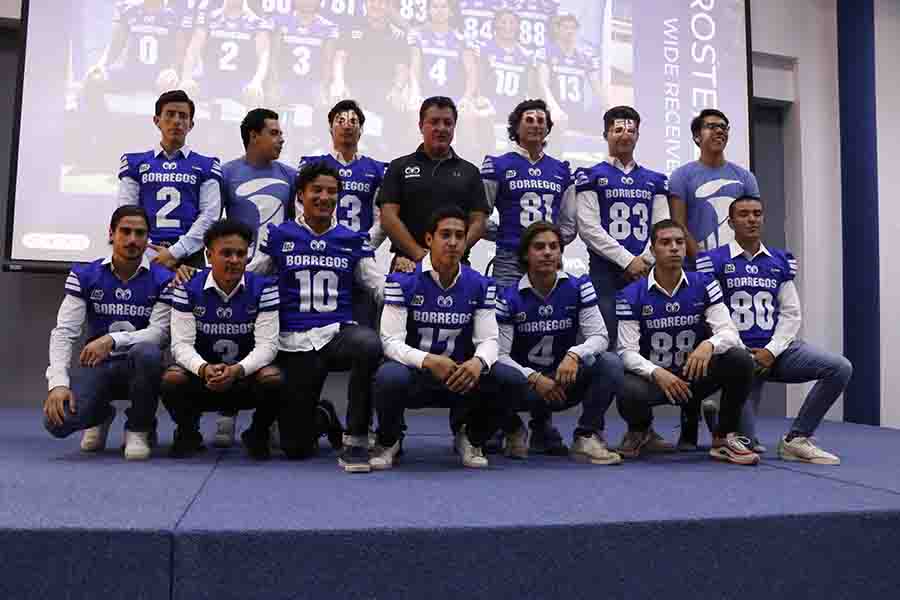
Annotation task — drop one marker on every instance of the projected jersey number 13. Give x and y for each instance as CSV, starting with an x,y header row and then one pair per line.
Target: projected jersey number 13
x,y
318,292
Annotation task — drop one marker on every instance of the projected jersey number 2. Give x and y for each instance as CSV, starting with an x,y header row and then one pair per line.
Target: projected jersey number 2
x,y
230,51
318,292
535,208
172,198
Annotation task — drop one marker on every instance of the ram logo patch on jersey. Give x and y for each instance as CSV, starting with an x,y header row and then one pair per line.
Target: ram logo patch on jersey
x,y
647,310
729,268
521,317
346,172
411,172
287,247
534,172
143,168
511,174
199,311
318,245
224,312
627,181
672,307
97,295
545,311
122,294
752,269
170,166
445,301
418,300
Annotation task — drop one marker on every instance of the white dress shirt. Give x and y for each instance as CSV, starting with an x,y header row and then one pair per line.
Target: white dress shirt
x,y
210,202
590,326
184,334
70,322
725,335
366,274
393,329
597,239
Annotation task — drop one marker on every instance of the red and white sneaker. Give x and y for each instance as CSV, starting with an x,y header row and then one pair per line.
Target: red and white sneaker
x,y
734,449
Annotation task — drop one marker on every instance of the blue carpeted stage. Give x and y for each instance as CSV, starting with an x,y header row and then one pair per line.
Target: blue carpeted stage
x,y
222,526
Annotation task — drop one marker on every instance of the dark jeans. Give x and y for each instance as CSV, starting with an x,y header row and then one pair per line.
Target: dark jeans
x,y
731,372
135,376
187,402
356,349
398,387
595,389
608,278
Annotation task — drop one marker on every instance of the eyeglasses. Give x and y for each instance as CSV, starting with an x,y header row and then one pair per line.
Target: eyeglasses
x,y
724,127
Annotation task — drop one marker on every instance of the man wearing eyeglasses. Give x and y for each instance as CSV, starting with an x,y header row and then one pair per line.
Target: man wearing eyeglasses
x,y
701,191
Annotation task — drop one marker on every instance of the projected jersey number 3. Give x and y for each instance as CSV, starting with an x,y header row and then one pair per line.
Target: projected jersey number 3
x,y
318,292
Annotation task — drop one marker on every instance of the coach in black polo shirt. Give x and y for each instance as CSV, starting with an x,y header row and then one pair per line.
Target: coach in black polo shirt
x,y
431,177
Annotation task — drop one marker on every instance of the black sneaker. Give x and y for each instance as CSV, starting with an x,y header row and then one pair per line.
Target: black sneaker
x,y
354,459
257,446
186,444
328,424
546,439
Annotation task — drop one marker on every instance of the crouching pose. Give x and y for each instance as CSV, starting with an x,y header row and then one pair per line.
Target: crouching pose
x,y
224,339
439,334
670,356
539,319
125,302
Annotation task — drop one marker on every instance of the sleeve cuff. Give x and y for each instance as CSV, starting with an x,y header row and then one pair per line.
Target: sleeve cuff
x,y
622,257
776,348
488,357
195,364
178,250
120,339
58,380
417,357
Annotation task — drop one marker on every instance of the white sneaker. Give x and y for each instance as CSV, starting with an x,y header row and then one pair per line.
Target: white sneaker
x,y
137,445
515,444
373,439
470,455
224,432
93,439
383,458
274,436
734,449
594,450
804,450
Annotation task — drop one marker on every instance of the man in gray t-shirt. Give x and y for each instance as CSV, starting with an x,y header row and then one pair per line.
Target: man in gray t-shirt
x,y
701,191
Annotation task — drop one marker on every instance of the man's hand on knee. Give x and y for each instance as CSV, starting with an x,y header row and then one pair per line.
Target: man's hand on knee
x,y
97,351
55,405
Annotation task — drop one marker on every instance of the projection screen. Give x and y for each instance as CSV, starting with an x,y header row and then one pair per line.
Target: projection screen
x,y
94,68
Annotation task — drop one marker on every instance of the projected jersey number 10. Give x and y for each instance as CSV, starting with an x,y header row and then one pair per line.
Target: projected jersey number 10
x,y
508,82
318,292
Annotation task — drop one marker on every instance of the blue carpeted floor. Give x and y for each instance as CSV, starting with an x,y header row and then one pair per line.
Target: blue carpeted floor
x,y
222,526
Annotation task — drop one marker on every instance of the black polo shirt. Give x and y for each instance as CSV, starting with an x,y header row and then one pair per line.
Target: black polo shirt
x,y
421,185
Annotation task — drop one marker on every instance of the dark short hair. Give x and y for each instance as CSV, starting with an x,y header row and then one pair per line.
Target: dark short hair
x,y
515,117
697,122
450,211
255,120
128,210
174,96
344,106
315,169
439,102
531,232
224,228
665,224
744,198
619,112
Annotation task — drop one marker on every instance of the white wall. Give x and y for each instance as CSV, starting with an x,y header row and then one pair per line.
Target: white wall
x,y
802,34
10,9
887,98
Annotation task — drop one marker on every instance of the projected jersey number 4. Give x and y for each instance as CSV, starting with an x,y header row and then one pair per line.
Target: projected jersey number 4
x,y
438,72
351,206
227,350
318,292
619,226
542,353
447,336
535,208
172,198
747,310
230,51
148,50
661,348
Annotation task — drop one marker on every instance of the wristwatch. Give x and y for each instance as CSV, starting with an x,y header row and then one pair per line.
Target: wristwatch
x,y
485,369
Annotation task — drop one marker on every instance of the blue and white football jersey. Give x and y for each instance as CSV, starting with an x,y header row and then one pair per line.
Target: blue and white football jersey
x,y
115,305
345,13
478,18
304,52
271,9
505,76
545,329
751,288
526,192
230,59
258,196
534,21
150,42
441,321
625,200
570,82
225,328
443,72
670,327
194,13
315,273
170,189
360,181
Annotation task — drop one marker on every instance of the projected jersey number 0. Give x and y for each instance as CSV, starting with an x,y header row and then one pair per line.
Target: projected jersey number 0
x,y
318,292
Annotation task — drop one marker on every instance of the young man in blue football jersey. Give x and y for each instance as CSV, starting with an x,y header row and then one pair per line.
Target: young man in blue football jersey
x,y
319,262
540,320
670,356
617,202
224,338
440,338
178,188
758,283
124,300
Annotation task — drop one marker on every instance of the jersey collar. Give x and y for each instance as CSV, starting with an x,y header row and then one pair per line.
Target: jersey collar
x,y
651,283
525,282
736,250
524,153
185,152
340,157
145,264
427,267
211,284
612,160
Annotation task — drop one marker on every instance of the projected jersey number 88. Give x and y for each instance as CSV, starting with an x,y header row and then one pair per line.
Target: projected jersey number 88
x,y
661,346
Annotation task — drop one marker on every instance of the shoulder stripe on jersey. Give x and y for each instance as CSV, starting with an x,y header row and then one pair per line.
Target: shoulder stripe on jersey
x,y
705,265
588,299
269,293
180,293
72,289
73,279
267,305
180,301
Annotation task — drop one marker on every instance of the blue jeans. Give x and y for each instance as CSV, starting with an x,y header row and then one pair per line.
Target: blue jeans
x,y
608,278
595,388
799,363
135,376
506,268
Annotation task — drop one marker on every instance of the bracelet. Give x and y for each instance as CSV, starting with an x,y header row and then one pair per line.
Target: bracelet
x,y
575,356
